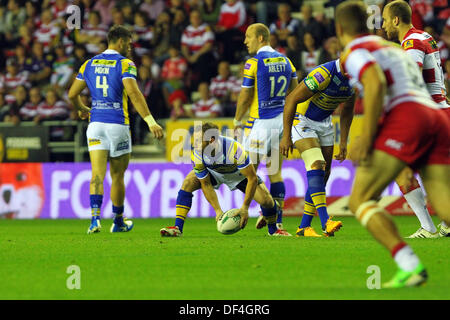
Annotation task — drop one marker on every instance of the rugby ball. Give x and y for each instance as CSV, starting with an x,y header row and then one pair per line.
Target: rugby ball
x,y
228,224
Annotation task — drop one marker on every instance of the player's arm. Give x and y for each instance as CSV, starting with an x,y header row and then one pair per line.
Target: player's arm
x,y
74,97
139,103
244,101
300,94
345,121
375,86
210,195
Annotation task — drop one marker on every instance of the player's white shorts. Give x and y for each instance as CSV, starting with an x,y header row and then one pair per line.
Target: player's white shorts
x,y
264,136
231,180
109,136
307,128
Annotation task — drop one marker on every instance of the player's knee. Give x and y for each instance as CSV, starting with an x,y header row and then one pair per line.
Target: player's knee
x,y
268,202
97,179
190,183
319,165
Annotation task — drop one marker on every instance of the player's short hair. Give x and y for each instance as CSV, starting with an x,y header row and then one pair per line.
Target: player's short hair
x,y
261,30
352,16
118,32
400,9
210,128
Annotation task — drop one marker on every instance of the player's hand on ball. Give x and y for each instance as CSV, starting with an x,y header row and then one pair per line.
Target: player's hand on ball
x,y
243,212
157,131
286,145
342,153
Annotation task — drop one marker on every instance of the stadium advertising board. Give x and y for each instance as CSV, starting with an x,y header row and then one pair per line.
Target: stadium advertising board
x,y
54,191
18,145
178,146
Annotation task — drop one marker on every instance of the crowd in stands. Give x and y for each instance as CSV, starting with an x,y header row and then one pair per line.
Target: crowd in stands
x,y
189,54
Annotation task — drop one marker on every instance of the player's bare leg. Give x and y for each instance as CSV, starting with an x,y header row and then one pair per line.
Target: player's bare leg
x,y
370,181
436,182
184,203
318,168
118,166
269,207
99,160
413,194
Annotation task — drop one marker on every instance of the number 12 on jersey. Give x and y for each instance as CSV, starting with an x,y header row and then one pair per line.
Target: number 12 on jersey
x,y
103,85
280,79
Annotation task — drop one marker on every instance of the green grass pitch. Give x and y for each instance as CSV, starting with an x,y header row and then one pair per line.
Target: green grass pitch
x,y
203,264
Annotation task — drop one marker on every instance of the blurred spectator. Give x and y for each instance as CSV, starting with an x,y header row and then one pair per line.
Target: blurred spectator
x,y
422,13
14,17
152,8
58,10
92,34
293,50
161,37
275,44
80,57
179,23
196,46
173,75
20,99
230,30
310,54
143,34
86,8
48,31
207,106
62,70
30,110
26,37
265,10
39,66
21,56
210,11
225,87
53,108
32,12
4,109
310,25
118,18
13,79
105,7
447,78
127,12
174,5
147,61
330,50
285,25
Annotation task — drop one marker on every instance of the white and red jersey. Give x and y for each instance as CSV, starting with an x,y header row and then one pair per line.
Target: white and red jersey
x,y
29,110
59,109
424,50
9,82
221,87
94,31
232,16
174,68
206,108
404,80
46,34
196,38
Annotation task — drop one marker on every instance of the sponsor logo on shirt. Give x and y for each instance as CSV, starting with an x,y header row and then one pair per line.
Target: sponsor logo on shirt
x,y
408,44
94,142
319,77
391,143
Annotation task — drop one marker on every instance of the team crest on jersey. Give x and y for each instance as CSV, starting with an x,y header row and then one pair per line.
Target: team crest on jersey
x,y
408,44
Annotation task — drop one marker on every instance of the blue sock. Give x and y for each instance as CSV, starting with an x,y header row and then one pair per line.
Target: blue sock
x,y
96,205
278,192
118,214
316,186
308,212
184,203
271,215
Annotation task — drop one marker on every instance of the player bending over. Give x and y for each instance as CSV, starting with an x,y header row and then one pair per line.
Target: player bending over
x,y
413,132
420,46
268,77
220,160
111,79
311,130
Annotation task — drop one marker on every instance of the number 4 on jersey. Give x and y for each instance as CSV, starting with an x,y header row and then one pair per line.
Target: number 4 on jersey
x,y
103,85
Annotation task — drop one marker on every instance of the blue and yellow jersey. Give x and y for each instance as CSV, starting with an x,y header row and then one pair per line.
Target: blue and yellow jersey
x,y
230,158
103,75
330,88
269,73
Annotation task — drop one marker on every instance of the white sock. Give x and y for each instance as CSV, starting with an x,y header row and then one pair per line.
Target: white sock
x,y
416,201
406,259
